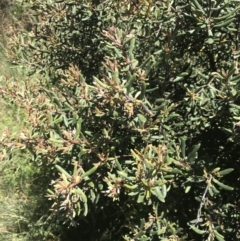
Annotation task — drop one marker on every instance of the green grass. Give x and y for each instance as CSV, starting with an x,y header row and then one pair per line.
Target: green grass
x,y
23,206
21,199
14,169
11,204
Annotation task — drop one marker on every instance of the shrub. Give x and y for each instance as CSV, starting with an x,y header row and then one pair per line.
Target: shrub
x,y
137,110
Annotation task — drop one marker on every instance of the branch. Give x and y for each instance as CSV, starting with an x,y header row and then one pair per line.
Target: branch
x,y
199,219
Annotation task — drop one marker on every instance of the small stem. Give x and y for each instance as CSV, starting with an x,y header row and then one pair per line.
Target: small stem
x,y
199,220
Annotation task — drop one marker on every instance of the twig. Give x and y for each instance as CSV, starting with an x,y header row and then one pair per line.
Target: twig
x,y
199,219
145,108
202,88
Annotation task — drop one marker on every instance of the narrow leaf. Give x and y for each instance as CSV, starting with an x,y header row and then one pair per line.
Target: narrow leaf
x,y
226,171
197,230
62,171
192,155
90,172
223,186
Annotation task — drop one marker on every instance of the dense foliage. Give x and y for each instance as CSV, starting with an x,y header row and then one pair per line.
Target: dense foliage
x,y
136,116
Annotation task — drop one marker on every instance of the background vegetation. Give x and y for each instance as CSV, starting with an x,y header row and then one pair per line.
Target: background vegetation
x,y
22,202
131,120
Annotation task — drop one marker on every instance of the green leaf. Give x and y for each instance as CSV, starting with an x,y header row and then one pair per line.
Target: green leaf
x,y
100,83
141,197
210,190
79,126
130,81
158,193
180,77
125,175
164,190
132,45
223,186
224,23
214,189
90,172
226,16
79,191
193,154
198,6
176,171
218,236
142,118
65,120
210,41
118,165
226,131
215,170
197,230
143,90
187,189
75,167
131,187
226,171
183,146
85,209
62,171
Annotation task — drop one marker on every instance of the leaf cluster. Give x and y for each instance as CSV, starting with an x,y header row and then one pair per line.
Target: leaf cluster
x,y
135,113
